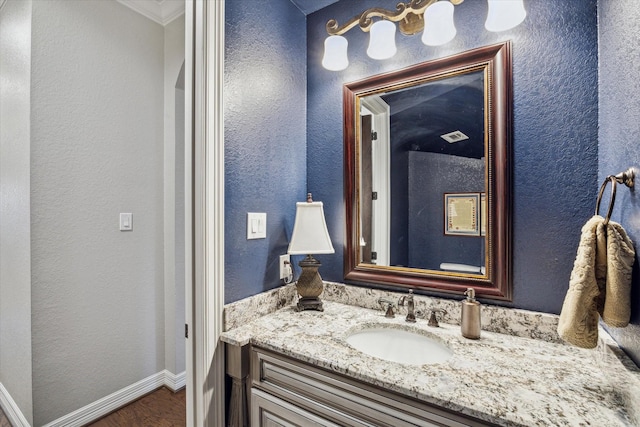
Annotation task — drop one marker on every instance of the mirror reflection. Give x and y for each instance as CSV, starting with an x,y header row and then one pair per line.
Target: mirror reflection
x,y
428,175
423,158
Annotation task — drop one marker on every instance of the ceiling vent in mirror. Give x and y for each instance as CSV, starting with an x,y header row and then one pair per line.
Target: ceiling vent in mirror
x,y
455,136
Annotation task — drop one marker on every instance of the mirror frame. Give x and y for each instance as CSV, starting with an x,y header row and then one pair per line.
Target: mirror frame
x,y
496,282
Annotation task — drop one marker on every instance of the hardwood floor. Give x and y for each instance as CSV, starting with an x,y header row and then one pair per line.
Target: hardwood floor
x,y
162,408
4,421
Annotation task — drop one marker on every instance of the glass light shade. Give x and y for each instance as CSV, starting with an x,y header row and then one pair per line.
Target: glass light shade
x,y
438,24
335,53
310,234
382,40
504,14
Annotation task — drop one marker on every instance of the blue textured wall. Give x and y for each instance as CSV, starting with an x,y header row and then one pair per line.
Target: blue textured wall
x,y
428,245
619,137
265,135
399,201
555,129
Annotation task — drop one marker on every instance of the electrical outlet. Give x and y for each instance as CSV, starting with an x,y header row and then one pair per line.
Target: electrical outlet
x,y
284,271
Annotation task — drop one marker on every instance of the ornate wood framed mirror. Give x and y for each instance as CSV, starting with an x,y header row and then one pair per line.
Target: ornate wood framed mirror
x,y
428,175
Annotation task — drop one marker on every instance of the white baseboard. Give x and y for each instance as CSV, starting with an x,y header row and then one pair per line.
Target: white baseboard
x,y
120,398
10,408
175,382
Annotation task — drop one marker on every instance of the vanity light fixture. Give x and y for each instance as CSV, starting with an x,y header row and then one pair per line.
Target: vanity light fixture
x,y
310,236
382,41
504,15
434,18
438,18
337,59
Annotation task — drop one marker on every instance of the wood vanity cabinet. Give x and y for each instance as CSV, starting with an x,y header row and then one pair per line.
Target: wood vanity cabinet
x,y
285,392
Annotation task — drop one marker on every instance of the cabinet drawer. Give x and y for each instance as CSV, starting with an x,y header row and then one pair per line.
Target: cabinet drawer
x,y
269,411
343,400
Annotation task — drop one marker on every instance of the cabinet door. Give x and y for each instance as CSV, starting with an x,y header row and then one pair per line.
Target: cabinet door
x,y
269,411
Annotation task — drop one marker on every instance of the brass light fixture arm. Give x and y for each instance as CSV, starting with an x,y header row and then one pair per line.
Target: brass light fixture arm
x,y
410,12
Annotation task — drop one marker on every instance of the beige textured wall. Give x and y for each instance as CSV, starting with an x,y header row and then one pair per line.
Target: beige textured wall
x,y
15,256
97,150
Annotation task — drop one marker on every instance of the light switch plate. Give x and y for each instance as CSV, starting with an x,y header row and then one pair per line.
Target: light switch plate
x,y
256,225
126,222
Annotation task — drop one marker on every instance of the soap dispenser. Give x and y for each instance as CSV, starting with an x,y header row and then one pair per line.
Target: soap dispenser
x,y
470,322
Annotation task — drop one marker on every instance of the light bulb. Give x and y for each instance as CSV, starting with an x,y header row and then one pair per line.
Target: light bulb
x,y
382,40
438,24
504,14
335,53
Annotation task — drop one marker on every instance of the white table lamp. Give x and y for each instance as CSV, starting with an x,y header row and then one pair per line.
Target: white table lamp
x,y
310,236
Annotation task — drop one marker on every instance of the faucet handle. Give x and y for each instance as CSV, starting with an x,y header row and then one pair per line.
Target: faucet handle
x,y
387,306
433,320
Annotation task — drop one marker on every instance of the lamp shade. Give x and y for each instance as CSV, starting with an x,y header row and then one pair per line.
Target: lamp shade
x,y
438,24
382,40
504,15
310,234
335,53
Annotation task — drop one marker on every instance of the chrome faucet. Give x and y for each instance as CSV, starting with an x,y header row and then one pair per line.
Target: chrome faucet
x,y
389,307
411,313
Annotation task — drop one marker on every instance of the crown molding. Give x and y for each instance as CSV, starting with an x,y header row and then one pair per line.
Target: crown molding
x,y
160,11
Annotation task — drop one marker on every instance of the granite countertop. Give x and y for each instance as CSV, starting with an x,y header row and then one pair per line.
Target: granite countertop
x,y
503,379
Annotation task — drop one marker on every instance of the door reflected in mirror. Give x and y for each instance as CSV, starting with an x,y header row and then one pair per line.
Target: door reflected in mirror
x,y
426,170
427,180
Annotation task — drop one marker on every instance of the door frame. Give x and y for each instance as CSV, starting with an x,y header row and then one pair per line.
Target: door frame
x,y
204,206
381,150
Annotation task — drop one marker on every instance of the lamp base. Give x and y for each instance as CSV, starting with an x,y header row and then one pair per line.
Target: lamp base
x,y
309,285
310,304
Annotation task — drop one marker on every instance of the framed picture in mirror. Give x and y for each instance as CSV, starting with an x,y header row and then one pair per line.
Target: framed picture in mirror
x,y
462,214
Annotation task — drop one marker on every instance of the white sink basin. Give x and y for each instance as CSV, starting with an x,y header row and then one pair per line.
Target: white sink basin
x,y
397,345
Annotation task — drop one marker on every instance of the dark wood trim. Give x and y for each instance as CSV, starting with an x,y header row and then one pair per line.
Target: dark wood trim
x,y
497,285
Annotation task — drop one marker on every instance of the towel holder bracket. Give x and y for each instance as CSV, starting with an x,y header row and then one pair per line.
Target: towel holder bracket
x,y
627,177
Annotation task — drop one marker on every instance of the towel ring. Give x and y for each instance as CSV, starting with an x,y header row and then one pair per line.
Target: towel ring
x,y
627,178
613,181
